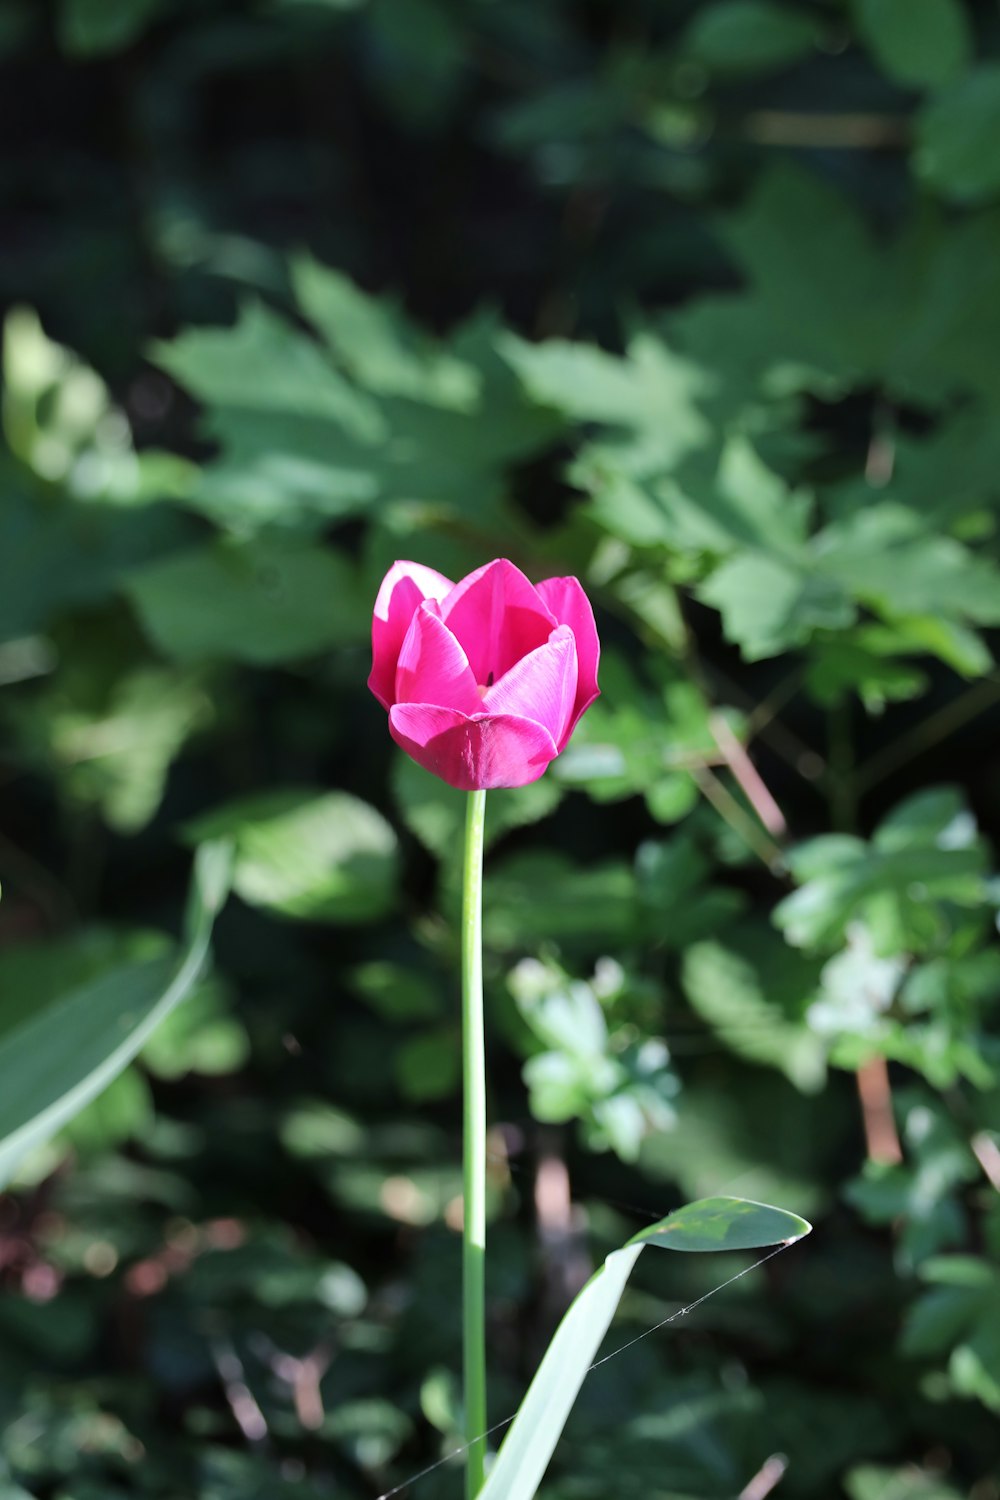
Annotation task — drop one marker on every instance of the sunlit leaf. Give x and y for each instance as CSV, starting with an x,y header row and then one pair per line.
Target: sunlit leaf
x,y
754,993
318,857
873,1482
264,364
925,855
711,1224
376,342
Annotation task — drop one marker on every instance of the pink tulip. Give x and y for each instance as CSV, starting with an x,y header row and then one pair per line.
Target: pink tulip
x,y
485,679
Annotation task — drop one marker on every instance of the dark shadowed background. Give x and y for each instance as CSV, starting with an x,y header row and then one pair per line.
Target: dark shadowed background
x,y
700,302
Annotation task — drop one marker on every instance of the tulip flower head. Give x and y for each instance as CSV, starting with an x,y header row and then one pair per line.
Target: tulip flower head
x,y
485,679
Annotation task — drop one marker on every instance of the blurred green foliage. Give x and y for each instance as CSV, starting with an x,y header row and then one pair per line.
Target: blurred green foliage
x,y
698,301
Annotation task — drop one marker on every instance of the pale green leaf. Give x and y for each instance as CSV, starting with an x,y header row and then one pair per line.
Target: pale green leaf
x,y
884,557
873,1482
280,468
711,1224
60,420
377,344
117,755
754,992
264,364
649,395
55,1058
725,1224
200,1037
326,857
770,604
734,506
924,856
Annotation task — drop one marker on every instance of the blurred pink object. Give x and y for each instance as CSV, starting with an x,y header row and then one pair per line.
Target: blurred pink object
x,y
485,679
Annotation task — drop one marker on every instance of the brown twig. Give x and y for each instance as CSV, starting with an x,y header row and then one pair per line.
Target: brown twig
x,y
880,462
726,805
845,132
987,1154
875,1093
764,724
561,1230
304,1377
747,776
241,1401
766,1479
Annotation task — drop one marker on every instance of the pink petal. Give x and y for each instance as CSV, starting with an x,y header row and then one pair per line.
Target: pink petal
x,y
498,617
570,605
541,686
433,668
404,588
472,754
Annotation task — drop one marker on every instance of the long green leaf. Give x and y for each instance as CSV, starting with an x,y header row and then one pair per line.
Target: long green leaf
x,y
54,1060
709,1224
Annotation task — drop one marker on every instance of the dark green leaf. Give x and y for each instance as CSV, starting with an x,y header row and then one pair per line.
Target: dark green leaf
x,y
749,36
91,26
958,140
921,48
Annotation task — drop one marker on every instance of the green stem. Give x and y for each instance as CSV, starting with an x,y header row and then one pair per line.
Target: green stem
x,y
474,1148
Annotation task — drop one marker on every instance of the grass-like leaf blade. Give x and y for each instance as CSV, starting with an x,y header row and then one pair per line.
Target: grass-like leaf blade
x,y
56,1059
709,1224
